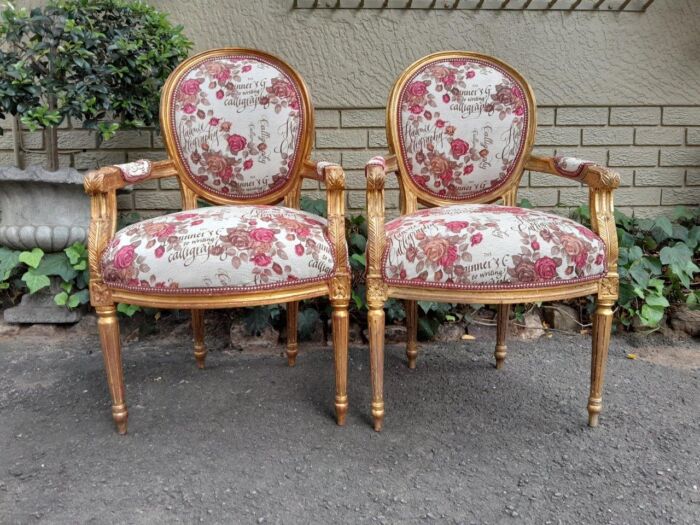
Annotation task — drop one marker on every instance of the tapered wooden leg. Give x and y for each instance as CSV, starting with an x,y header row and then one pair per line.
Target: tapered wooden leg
x,y
375,320
411,332
200,351
602,325
292,345
340,349
111,351
501,331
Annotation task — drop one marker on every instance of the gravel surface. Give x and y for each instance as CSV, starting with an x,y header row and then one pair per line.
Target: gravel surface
x,y
251,441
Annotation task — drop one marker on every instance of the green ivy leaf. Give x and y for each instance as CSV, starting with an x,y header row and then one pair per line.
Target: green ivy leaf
x,y
57,264
359,300
657,300
627,294
651,315
73,301
652,264
427,327
61,299
307,321
35,281
360,259
663,229
33,258
394,310
639,274
315,206
682,213
76,252
359,242
679,259
83,296
693,299
128,309
656,284
635,253
426,306
693,237
9,260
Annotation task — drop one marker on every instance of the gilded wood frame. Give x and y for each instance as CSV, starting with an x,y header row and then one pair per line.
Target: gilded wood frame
x,y
601,183
102,185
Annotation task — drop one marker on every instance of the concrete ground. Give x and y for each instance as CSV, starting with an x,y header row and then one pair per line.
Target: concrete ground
x,y
251,441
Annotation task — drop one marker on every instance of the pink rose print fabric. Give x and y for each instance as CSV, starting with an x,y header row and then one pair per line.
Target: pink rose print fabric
x,y
462,125
478,246
237,125
220,249
135,171
571,166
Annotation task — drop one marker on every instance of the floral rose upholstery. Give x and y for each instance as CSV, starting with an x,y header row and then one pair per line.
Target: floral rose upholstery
x,y
571,166
478,246
135,171
462,127
220,249
237,123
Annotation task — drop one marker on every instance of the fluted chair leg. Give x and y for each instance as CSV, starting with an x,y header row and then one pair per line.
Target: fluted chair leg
x,y
200,351
340,349
411,332
501,334
292,344
375,320
108,326
602,326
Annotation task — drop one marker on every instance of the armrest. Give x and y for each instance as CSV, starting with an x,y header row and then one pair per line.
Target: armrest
x,y
375,173
572,168
102,186
601,182
333,177
112,178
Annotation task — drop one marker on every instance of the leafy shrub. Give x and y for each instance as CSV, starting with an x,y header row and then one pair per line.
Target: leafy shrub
x,y
657,264
99,61
29,271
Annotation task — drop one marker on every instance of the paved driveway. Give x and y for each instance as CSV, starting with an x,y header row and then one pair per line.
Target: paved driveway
x,y
250,441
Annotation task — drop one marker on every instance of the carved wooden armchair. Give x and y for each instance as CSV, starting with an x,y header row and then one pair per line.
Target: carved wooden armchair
x,y
460,129
238,126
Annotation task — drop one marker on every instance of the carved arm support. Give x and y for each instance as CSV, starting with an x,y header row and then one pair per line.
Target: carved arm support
x,y
601,183
333,177
102,186
375,173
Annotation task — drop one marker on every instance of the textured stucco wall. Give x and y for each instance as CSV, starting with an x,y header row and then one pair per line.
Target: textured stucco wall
x,y
351,57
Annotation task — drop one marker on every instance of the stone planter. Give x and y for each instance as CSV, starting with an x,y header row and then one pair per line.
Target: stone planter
x,y
44,209
48,210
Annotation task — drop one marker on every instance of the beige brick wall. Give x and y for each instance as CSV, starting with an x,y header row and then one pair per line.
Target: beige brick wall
x,y
656,149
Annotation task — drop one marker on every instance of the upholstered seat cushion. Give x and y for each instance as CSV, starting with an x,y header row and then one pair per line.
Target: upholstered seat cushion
x,y
476,246
220,249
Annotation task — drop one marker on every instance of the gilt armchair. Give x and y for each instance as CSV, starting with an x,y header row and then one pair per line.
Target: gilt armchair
x,y
460,128
238,127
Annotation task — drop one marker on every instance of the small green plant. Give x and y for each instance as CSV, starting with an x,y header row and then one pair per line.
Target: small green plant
x,y
30,271
658,264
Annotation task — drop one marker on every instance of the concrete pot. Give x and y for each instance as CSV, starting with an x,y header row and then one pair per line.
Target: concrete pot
x,y
48,210
44,209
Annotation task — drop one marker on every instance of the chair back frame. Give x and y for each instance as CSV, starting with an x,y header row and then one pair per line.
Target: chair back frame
x,y
410,193
191,191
